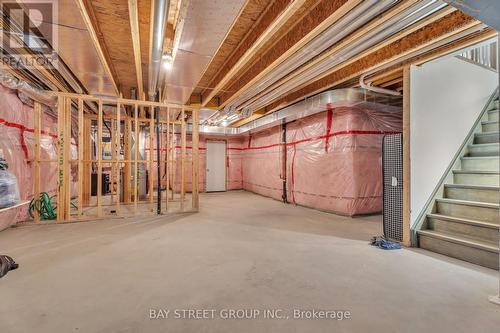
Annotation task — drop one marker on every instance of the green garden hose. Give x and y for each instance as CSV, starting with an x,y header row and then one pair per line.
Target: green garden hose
x,y
44,206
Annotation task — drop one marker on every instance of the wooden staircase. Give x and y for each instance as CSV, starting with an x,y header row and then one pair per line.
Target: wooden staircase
x,y
464,223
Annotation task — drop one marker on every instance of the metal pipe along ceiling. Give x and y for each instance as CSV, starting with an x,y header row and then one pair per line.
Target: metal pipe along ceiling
x,y
377,35
159,12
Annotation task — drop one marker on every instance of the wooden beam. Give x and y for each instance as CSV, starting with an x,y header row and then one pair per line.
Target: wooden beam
x,y
319,19
360,33
453,24
99,160
151,154
87,155
88,17
195,202
81,148
117,147
60,157
67,153
127,150
136,156
37,175
167,160
136,43
283,18
406,156
183,159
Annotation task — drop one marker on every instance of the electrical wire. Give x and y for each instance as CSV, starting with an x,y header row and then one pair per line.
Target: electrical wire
x,y
44,206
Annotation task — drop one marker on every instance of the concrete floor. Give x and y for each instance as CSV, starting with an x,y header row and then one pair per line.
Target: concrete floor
x,y
242,251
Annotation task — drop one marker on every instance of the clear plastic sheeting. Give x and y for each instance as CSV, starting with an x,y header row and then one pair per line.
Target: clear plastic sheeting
x,y
9,191
17,148
261,169
334,159
333,152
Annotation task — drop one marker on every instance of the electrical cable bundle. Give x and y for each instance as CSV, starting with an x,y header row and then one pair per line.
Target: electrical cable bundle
x,y
44,206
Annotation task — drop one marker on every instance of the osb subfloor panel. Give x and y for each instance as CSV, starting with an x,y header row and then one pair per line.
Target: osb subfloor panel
x,y
240,251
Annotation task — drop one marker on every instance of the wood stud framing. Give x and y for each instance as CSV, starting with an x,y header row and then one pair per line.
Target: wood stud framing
x,y
114,156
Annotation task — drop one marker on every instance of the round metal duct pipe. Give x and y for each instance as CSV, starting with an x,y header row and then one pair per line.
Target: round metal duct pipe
x,y
159,13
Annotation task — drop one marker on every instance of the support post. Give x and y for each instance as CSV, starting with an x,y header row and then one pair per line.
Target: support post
x,y
117,147
38,132
99,160
158,166
81,148
167,159
87,156
136,157
194,160
61,162
183,158
406,157
151,153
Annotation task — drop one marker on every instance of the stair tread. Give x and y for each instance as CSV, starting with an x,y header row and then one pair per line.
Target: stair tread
x,y
489,122
469,203
464,220
472,186
482,145
479,244
487,133
480,157
483,172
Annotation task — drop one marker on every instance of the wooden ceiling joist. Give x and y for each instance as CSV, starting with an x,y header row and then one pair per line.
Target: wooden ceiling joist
x,y
134,27
352,38
290,11
425,37
318,19
97,39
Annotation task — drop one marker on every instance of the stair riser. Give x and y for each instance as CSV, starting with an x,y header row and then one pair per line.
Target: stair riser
x,y
493,105
462,229
462,252
490,138
470,194
491,127
493,115
466,211
487,164
476,179
484,151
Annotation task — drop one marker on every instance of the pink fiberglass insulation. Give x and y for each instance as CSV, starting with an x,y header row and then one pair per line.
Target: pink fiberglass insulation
x,y
233,162
17,147
333,160
262,163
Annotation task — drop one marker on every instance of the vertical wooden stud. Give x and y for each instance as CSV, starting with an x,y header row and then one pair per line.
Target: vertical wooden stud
x,y
167,159
117,147
136,156
38,132
81,148
99,160
113,157
151,153
183,158
406,157
194,160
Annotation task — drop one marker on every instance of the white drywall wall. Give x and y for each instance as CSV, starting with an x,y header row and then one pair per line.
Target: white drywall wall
x,y
446,97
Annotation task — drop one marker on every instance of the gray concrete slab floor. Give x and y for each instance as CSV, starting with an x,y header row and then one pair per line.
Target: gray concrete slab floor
x,y
242,251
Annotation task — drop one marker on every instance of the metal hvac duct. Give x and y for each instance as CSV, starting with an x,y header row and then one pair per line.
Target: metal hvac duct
x,y
310,106
159,13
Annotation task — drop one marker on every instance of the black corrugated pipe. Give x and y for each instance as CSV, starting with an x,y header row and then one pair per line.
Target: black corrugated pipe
x,y
158,168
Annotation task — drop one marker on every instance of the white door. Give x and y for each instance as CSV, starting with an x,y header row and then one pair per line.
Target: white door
x,y
216,166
